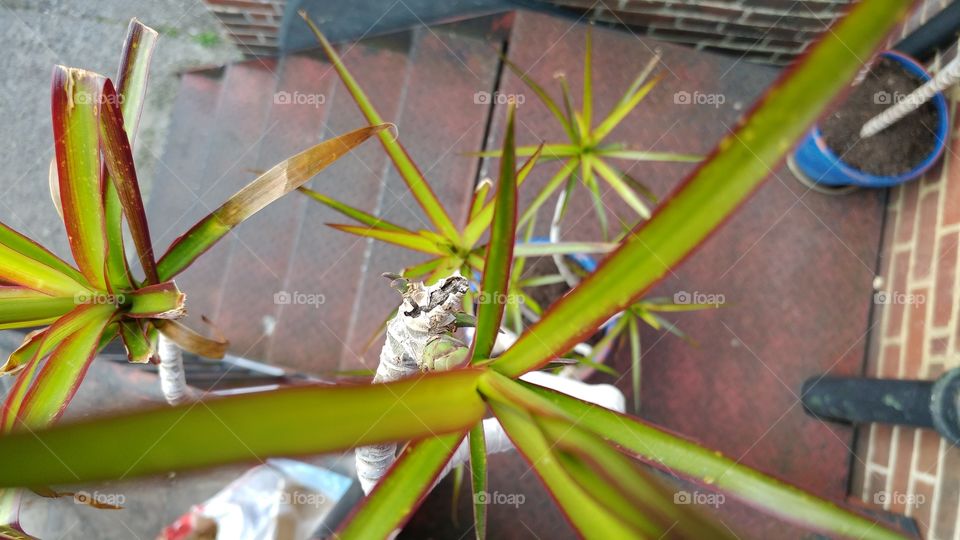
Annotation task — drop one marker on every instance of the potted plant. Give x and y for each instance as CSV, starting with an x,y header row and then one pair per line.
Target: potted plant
x,y
834,155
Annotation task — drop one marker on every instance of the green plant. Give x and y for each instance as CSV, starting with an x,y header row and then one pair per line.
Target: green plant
x,y
448,248
586,150
95,182
581,452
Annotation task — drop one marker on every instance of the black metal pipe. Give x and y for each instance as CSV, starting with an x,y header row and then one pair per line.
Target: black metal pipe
x,y
937,33
927,404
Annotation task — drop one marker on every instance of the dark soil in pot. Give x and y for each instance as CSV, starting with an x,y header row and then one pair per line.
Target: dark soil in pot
x,y
895,150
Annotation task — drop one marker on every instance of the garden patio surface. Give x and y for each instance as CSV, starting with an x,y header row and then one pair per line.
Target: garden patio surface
x,y
795,267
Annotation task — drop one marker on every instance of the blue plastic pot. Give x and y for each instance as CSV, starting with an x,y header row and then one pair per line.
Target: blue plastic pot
x,y
821,165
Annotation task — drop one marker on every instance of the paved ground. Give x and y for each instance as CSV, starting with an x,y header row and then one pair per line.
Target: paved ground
x,y
36,35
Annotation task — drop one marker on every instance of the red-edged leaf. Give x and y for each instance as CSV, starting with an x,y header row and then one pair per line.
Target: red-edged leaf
x,y
22,307
351,212
139,347
119,161
131,87
58,379
243,428
133,73
408,240
281,179
76,133
161,301
496,273
481,221
478,479
588,516
25,246
677,455
398,154
401,490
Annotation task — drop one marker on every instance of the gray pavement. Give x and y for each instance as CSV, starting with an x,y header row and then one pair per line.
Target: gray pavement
x,y
37,34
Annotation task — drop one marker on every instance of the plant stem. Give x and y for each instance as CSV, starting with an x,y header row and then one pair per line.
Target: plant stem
x,y
426,313
173,379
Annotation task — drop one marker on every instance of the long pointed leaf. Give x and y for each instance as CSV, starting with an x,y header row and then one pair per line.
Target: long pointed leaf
x,y
133,73
549,151
15,267
402,490
623,109
58,380
625,481
23,307
622,188
496,268
281,179
544,249
544,97
405,239
479,199
351,212
478,479
38,344
642,155
663,449
140,349
588,79
741,161
479,223
590,518
32,250
118,156
161,301
131,88
398,154
636,364
76,96
556,181
242,428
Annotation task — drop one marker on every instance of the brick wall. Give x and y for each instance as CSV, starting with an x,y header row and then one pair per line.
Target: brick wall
x,y
770,31
254,25
916,335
